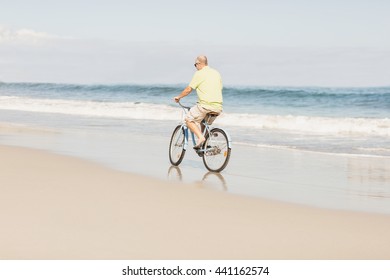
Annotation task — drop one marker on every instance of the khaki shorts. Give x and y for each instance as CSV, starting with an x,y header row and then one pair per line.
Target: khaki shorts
x,y
197,113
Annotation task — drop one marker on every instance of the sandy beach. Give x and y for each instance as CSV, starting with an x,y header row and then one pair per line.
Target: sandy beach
x,y
59,207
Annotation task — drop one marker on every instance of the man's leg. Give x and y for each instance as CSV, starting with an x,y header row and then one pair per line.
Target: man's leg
x,y
193,119
195,129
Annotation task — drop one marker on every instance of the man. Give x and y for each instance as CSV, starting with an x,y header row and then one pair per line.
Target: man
x,y
208,84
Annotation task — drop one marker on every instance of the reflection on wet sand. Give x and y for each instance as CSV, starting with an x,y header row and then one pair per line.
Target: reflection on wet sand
x,y
215,179
174,174
364,170
210,179
372,175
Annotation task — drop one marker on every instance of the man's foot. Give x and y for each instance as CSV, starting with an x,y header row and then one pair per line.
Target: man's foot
x,y
199,143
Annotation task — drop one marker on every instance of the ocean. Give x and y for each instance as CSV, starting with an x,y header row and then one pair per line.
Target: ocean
x,y
352,121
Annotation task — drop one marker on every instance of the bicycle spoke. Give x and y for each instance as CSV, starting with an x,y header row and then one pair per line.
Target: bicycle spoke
x,y
217,151
176,146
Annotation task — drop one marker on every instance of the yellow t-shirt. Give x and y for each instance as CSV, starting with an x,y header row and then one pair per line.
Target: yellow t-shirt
x,y
208,85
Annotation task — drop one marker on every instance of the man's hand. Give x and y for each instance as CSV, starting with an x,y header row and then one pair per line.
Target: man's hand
x,y
177,99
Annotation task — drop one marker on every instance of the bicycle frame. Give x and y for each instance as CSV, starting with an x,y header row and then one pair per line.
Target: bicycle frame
x,y
187,131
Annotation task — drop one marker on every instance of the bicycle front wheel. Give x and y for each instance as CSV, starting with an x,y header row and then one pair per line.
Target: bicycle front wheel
x,y
216,150
176,146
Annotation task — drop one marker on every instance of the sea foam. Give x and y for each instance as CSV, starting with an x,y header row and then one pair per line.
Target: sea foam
x,y
148,111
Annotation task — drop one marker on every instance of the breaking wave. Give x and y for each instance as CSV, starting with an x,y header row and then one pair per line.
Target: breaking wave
x,y
148,111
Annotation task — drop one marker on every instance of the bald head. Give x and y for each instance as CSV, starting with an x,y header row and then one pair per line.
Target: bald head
x,y
202,59
200,62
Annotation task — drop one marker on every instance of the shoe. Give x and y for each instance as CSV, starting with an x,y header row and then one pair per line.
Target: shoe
x,y
198,146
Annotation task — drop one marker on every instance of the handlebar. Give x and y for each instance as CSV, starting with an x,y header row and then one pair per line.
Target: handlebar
x,y
184,107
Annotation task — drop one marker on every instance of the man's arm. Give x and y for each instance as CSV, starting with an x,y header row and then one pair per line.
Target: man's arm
x,y
184,93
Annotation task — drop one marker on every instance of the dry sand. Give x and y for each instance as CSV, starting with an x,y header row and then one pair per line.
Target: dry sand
x,y
58,207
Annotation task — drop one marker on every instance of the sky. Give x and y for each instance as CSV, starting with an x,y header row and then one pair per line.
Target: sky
x,y
252,43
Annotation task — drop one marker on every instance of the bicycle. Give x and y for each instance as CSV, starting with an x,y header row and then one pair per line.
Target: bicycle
x,y
215,151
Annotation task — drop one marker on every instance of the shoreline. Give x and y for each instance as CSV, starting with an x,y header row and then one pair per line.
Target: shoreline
x,y
60,207
313,179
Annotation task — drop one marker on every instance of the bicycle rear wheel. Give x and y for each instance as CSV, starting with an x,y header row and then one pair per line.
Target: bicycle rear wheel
x,y
176,146
216,150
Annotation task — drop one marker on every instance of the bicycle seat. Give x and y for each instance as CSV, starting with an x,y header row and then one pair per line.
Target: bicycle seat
x,y
210,117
